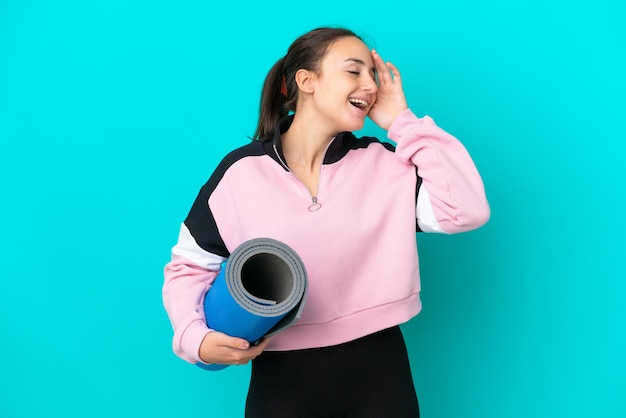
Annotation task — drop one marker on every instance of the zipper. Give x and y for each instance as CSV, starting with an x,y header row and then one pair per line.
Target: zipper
x,y
315,205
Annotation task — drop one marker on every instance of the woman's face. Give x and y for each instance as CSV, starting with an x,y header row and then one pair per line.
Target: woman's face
x,y
344,88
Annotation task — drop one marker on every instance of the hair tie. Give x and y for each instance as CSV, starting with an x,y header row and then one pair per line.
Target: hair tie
x,y
283,87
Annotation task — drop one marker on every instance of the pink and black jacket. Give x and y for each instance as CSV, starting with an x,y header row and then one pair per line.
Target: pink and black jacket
x,y
356,236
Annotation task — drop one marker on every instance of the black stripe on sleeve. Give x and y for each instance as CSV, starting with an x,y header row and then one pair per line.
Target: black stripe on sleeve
x,y
200,220
418,184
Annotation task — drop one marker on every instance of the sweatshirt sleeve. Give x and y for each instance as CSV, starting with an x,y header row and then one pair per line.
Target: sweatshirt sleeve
x,y
451,197
188,277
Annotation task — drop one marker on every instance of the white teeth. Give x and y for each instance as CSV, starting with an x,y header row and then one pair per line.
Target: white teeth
x,y
358,102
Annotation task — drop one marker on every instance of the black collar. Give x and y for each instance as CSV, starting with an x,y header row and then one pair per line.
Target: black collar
x,y
342,143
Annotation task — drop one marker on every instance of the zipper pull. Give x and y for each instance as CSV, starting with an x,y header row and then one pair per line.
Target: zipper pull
x,y
314,206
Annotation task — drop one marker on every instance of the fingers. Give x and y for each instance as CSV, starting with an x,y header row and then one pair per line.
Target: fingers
x,y
381,69
220,348
390,99
394,70
387,72
264,342
244,356
232,342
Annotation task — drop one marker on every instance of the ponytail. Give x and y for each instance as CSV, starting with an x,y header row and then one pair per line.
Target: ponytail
x,y
273,100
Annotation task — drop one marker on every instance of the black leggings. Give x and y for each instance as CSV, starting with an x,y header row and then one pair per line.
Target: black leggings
x,y
368,377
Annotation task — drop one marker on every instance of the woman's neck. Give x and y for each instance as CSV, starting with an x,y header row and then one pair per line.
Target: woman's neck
x,y
304,144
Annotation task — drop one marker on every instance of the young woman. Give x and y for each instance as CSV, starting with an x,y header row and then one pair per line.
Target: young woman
x,y
350,207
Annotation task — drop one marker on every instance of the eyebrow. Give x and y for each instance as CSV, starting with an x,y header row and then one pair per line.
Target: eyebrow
x,y
360,62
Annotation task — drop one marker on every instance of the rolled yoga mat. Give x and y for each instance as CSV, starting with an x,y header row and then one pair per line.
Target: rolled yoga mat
x,y
259,292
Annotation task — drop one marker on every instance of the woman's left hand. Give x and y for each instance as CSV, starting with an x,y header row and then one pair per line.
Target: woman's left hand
x,y
390,100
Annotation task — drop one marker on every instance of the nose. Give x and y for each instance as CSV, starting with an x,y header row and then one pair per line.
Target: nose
x,y
369,84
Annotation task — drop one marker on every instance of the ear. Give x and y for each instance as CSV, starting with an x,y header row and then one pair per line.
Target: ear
x,y
304,80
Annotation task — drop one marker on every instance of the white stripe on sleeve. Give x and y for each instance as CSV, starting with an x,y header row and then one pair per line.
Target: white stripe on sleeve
x,y
188,247
424,212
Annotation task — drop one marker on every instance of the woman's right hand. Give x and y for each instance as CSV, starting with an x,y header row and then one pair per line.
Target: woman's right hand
x,y
219,348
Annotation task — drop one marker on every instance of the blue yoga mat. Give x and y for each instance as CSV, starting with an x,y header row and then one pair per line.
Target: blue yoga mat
x,y
260,291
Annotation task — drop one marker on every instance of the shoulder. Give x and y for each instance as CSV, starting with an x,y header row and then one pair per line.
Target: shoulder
x,y
253,149
347,141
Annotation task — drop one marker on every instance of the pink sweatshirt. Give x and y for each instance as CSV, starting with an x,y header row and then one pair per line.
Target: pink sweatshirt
x,y
359,247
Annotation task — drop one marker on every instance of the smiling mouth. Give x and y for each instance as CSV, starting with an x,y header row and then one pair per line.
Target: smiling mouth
x,y
360,103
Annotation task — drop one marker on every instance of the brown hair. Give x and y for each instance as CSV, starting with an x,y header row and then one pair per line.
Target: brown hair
x,y
278,99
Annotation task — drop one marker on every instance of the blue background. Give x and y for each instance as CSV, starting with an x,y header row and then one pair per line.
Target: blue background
x,y
114,113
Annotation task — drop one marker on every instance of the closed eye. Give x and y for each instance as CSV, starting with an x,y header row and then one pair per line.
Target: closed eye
x,y
354,72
